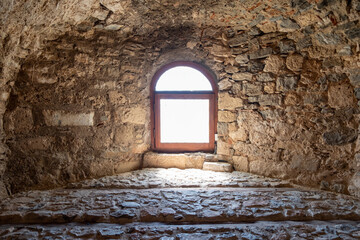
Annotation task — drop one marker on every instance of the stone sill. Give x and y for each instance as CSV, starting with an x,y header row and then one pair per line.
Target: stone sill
x,y
176,160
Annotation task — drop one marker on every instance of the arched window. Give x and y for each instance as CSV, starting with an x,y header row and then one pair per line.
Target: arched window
x,y
184,106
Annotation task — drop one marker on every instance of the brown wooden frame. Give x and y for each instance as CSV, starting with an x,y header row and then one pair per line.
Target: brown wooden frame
x,y
155,111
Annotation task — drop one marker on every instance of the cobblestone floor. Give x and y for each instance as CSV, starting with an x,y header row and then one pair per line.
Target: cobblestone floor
x,y
180,204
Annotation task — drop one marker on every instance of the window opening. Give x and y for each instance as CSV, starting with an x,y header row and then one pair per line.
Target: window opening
x,y
183,96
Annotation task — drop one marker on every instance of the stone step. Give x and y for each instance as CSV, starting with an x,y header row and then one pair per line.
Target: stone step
x,y
257,230
218,166
178,178
176,206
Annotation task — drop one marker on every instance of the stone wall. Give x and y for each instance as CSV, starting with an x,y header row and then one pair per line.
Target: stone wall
x,y
75,86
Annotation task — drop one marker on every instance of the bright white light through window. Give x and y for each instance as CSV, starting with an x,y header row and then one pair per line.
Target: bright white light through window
x,y
183,79
184,120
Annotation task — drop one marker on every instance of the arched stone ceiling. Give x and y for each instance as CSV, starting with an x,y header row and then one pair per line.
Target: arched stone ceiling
x,y
27,25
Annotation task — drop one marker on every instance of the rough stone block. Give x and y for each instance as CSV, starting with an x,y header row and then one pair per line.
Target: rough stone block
x,y
220,51
304,43
21,120
242,76
269,87
268,27
181,161
225,85
136,115
287,46
353,33
285,83
241,163
354,186
40,143
341,96
328,39
274,64
242,59
314,98
294,62
287,25
116,97
228,102
262,53
223,148
3,191
217,167
222,128
238,40
231,69
269,99
252,89
239,135
354,77
340,136
61,118
265,77
226,116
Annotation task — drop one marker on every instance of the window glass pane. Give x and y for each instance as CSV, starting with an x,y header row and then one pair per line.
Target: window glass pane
x,y
184,120
183,79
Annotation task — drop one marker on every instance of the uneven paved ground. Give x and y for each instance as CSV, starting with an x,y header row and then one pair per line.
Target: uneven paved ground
x,y
180,204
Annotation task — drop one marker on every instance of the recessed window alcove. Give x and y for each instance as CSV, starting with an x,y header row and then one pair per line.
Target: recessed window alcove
x,y
183,107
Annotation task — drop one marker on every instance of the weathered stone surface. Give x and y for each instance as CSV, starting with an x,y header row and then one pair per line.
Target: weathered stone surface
x,y
252,89
239,135
242,59
345,51
269,99
20,120
226,116
238,40
328,39
262,53
287,46
269,88
265,229
166,205
274,64
304,43
117,97
218,166
285,83
45,80
241,163
294,62
225,85
231,69
228,102
287,25
354,187
60,118
265,77
223,148
220,51
181,161
178,178
242,76
354,77
268,27
135,115
40,143
340,136
341,96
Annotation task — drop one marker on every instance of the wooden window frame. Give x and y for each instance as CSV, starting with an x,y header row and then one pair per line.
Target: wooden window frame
x,y
155,110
